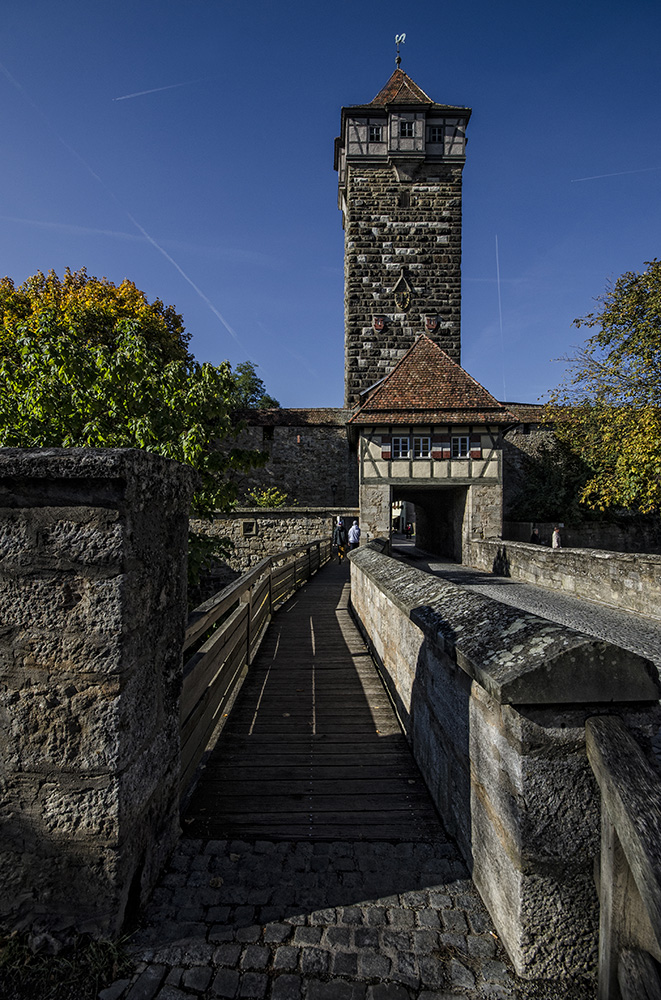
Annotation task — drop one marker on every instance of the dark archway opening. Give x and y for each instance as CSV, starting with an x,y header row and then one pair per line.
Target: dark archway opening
x,y
439,517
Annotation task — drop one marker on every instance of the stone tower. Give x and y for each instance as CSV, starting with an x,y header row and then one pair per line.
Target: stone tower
x,y
399,160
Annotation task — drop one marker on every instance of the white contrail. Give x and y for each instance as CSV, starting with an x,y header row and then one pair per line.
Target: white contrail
x,y
64,227
155,90
183,274
225,253
620,173
114,197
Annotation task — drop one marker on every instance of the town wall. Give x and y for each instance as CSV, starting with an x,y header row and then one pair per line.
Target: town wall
x,y
628,581
254,533
636,534
308,456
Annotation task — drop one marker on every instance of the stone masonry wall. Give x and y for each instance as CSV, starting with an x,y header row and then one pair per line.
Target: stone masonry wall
x,y
383,235
640,535
312,463
494,702
629,581
93,596
258,532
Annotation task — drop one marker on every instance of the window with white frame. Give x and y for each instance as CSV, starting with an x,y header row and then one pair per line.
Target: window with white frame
x,y
435,133
460,446
406,130
400,447
421,447
375,133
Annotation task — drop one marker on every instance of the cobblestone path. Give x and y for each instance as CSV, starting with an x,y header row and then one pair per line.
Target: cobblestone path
x,y
625,628
369,901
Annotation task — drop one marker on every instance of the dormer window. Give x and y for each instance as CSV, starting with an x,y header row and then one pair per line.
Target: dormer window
x,y
406,130
435,133
375,133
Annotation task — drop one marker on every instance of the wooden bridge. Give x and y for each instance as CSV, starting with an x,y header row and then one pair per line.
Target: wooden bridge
x,y
313,749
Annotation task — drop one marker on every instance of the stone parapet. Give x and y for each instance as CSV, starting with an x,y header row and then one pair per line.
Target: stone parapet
x,y
494,702
629,581
93,585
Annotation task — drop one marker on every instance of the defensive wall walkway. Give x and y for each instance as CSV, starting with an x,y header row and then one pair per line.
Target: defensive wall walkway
x,y
313,864
633,631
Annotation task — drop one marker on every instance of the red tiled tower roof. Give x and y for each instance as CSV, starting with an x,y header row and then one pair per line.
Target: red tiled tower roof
x,y
400,89
428,387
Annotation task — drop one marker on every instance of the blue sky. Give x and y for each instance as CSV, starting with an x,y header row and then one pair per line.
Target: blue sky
x,y
188,145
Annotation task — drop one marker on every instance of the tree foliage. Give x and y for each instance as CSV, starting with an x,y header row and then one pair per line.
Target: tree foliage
x,y
553,480
269,496
92,310
59,392
608,409
250,391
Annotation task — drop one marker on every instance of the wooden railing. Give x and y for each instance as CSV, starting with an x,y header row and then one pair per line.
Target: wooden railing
x,y
236,619
630,866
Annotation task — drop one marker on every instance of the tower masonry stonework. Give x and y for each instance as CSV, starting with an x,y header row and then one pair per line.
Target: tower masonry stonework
x,y
400,160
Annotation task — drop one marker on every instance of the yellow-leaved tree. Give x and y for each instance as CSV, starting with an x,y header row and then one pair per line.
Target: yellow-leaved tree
x,y
608,409
93,311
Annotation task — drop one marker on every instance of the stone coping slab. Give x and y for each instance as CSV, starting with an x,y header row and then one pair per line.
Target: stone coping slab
x,y
517,657
66,476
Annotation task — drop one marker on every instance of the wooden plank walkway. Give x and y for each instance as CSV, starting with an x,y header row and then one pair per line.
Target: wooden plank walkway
x,y
312,748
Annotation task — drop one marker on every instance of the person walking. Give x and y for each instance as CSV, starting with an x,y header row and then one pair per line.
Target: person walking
x,y
534,538
340,539
354,535
556,542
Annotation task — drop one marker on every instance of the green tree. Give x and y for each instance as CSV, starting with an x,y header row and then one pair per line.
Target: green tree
x,y
608,409
250,391
268,497
552,482
92,310
59,392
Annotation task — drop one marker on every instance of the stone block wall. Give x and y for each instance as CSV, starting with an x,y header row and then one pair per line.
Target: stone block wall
x,y
93,596
259,532
375,511
308,455
629,581
494,703
393,226
641,535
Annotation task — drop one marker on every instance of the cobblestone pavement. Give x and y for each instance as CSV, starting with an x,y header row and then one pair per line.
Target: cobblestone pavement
x,y
322,921
625,628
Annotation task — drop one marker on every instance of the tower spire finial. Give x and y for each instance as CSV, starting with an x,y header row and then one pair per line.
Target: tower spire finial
x,y
399,40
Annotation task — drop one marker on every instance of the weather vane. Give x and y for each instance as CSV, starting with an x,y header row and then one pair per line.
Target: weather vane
x,y
399,40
